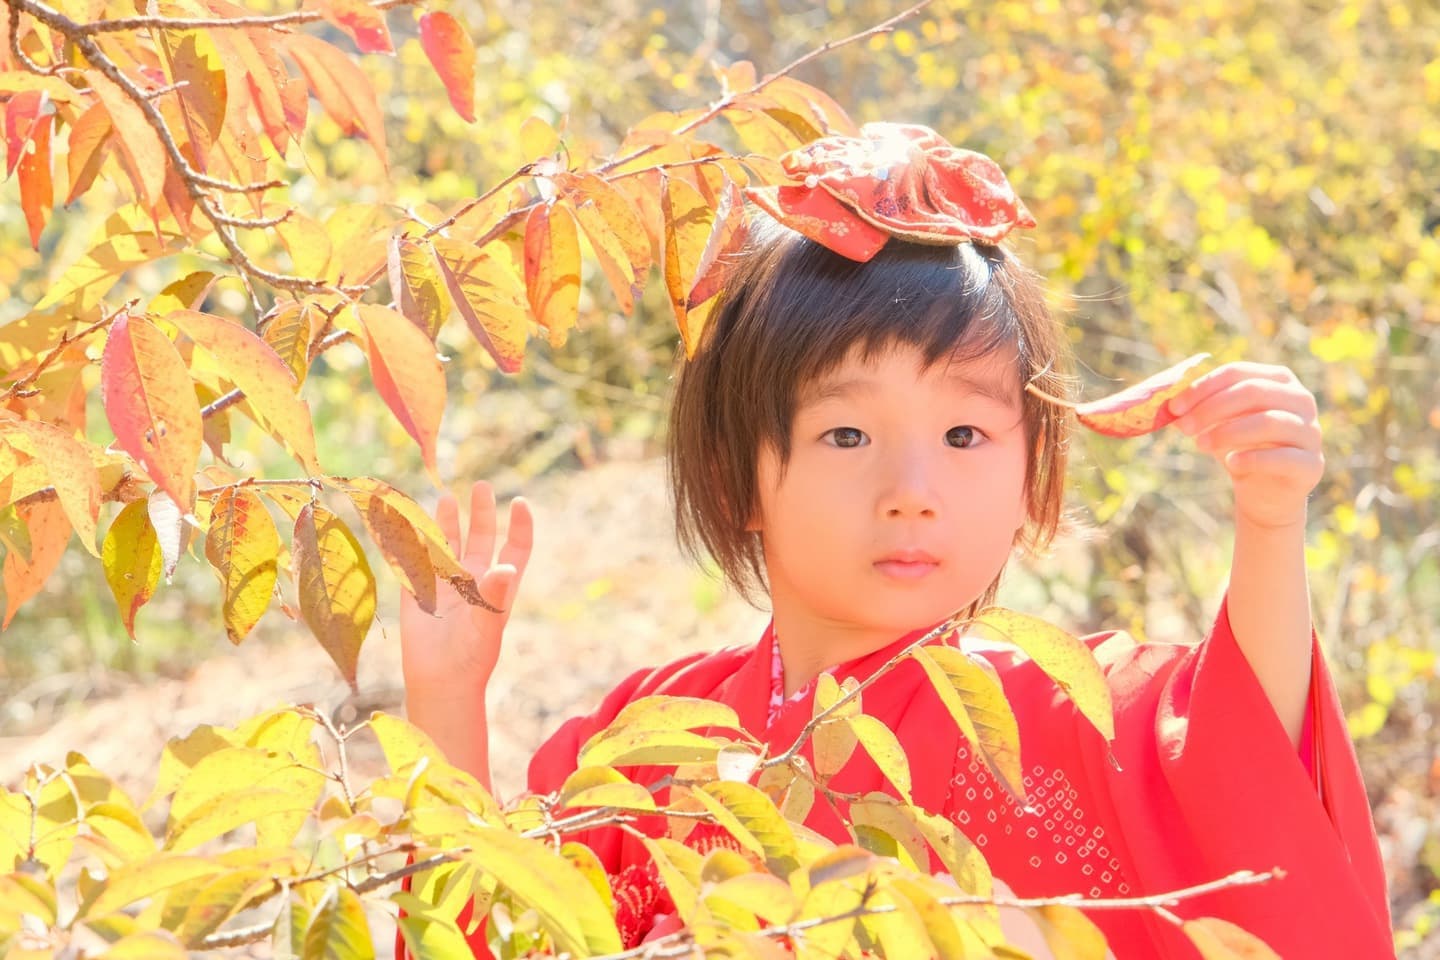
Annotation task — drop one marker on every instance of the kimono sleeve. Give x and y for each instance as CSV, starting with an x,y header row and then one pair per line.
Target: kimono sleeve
x,y
1231,792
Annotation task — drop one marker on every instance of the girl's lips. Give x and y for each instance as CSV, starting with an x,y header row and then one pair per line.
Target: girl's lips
x,y
907,568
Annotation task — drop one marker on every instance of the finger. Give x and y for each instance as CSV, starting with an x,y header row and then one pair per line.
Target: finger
x,y
480,541
1302,468
1226,376
1247,396
497,589
519,537
447,515
1268,428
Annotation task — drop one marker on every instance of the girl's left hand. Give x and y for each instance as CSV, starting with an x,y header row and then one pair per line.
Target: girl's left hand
x,y
1261,423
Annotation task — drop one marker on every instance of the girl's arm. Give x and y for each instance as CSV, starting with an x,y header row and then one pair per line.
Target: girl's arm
x,y
1261,423
448,657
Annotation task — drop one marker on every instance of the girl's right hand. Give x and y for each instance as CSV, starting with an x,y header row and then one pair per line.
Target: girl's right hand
x,y
454,651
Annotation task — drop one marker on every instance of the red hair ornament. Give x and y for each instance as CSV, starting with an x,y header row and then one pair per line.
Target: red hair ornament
x,y
894,180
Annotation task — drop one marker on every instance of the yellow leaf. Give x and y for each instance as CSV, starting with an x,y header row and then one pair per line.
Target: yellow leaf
x,y
976,701
754,811
420,293
1222,940
642,746
489,291
552,269
131,560
253,366
604,787
243,546
144,879
68,467
336,587
338,929
1063,657
880,742
1070,934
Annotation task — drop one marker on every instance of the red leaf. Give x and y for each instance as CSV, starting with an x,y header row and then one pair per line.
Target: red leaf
x,y
49,533
342,88
552,269
407,375
269,385
37,193
490,294
727,236
21,112
1144,407
151,405
139,144
365,24
452,54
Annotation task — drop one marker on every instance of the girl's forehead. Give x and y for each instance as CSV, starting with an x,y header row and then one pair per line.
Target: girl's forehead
x,y
997,368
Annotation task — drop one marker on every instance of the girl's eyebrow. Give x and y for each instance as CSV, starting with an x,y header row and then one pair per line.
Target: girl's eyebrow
x,y
836,389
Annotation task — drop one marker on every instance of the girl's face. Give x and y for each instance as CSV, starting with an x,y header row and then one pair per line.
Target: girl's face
x,y
901,499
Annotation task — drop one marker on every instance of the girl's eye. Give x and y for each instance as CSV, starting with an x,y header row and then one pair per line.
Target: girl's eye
x,y
963,437
847,437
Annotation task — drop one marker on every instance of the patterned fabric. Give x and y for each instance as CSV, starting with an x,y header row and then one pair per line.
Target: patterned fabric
x,y
894,180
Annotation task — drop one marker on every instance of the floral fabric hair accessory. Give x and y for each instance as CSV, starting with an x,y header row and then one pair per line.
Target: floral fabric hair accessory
x,y
894,180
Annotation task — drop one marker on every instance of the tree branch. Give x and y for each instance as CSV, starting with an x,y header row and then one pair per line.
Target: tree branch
x,y
207,23
54,352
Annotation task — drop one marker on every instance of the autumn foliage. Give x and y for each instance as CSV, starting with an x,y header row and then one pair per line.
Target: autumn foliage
x,y
115,414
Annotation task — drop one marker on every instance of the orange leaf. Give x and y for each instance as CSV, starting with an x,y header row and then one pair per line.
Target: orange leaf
x,y
253,366
1144,407
814,106
407,375
131,557
336,587
88,138
1221,940
151,405
242,546
69,469
140,146
287,329
727,237
687,228
444,561
761,133
452,54
37,193
279,99
552,269
342,88
365,24
49,533
490,294
194,62
615,230
416,285
400,543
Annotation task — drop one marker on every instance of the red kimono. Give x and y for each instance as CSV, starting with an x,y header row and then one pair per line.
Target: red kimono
x,y
1209,784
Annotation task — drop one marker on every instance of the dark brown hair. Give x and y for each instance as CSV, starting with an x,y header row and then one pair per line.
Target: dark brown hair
x,y
791,311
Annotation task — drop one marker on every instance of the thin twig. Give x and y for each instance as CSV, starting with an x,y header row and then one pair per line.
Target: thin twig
x,y
54,352
784,758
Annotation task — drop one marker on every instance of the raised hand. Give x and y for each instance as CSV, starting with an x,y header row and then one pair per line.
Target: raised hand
x,y
453,653
1261,423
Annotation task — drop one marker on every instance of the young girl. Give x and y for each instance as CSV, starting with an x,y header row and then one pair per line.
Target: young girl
x,y
853,440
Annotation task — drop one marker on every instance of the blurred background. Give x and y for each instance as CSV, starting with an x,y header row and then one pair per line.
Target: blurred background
x,y
1253,180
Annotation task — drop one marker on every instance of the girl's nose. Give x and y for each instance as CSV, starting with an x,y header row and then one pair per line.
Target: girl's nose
x,y
910,488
